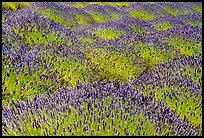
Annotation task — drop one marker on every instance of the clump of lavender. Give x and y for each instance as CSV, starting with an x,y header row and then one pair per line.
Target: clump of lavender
x,y
98,109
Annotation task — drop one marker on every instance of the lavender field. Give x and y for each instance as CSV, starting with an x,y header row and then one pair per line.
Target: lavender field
x,y
102,69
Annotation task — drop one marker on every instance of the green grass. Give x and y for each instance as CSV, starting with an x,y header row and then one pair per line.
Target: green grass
x,y
71,69
175,11
57,16
20,93
114,16
86,40
148,2
142,14
163,26
186,46
15,5
3,17
111,65
197,8
119,4
75,4
152,55
140,30
35,35
190,72
98,17
107,33
172,10
187,11
99,3
81,4
83,19
195,23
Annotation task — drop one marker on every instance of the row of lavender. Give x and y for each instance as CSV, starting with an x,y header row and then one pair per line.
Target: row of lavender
x,y
113,108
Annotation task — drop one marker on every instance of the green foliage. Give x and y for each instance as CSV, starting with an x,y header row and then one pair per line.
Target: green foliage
x,y
195,23
175,11
186,46
14,5
57,16
87,40
72,69
119,4
17,91
81,4
10,5
114,16
151,54
140,30
98,17
75,4
189,71
83,19
142,14
172,10
197,8
107,33
3,17
110,65
99,3
148,2
186,11
37,36
84,4
163,26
